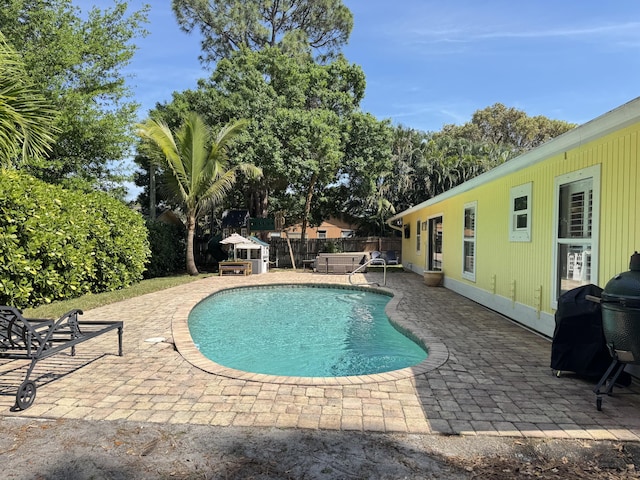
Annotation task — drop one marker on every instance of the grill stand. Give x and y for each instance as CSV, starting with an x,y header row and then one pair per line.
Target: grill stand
x,y
609,383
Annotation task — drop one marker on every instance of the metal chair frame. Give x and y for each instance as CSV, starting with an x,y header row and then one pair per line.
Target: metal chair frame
x,y
35,339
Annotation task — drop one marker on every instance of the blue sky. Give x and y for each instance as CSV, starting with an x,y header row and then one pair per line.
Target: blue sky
x,y
430,63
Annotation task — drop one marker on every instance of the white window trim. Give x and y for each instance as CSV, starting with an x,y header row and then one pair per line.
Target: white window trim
x,y
418,236
594,174
522,234
470,275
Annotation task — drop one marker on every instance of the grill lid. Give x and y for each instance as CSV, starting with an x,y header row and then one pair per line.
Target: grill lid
x,y
624,288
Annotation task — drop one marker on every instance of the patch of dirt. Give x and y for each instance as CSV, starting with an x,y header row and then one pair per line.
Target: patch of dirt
x,y
71,449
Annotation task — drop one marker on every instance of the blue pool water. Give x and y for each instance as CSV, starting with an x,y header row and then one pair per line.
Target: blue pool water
x,y
301,331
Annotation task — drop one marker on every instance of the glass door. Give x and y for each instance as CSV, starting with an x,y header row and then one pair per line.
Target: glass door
x,y
576,230
434,247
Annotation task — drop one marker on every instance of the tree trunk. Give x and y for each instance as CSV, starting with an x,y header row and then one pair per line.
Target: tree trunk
x,y
152,191
191,233
307,205
258,201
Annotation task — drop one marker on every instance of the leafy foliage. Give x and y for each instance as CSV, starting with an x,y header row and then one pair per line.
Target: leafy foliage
x,y
362,190
75,58
168,249
305,129
507,128
293,26
57,244
26,118
197,170
426,165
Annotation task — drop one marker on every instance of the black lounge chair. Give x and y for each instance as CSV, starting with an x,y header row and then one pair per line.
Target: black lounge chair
x,y
36,339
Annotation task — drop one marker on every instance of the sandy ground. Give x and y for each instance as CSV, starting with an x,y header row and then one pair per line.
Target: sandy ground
x,y
76,449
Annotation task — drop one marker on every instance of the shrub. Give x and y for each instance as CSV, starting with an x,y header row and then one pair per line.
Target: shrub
x,y
57,243
331,247
168,249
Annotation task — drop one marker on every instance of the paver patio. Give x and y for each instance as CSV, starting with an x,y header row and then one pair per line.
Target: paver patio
x,y
494,378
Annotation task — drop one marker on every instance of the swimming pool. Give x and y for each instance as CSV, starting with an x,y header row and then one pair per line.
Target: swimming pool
x,y
301,331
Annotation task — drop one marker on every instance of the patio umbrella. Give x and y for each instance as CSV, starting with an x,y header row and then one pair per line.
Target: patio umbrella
x,y
247,246
235,240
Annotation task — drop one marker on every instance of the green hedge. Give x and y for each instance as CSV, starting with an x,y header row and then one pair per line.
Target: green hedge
x,y
57,244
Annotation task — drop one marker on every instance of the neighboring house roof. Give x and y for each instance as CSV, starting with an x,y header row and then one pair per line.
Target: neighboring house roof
x,y
328,223
258,241
235,218
616,119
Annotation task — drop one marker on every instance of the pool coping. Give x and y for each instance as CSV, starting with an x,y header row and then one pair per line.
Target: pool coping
x,y
438,353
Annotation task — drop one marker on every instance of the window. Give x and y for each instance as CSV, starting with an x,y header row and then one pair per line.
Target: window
x,y
469,242
576,233
418,235
520,214
347,233
322,234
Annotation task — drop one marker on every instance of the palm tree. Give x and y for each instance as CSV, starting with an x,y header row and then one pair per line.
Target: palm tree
x,y
26,120
200,174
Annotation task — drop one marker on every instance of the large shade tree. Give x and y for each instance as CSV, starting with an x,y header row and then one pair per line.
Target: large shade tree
x,y
26,118
294,26
197,168
508,127
362,189
306,130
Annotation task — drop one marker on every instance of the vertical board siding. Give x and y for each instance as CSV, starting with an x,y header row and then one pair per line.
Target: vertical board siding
x,y
530,264
620,233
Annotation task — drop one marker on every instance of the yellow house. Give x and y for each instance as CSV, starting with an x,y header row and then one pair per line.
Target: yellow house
x,y
562,215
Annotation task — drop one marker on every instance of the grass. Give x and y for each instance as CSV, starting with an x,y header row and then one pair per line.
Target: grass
x,y
89,301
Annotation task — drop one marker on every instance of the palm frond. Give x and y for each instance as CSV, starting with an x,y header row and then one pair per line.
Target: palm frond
x,y
163,148
199,166
27,120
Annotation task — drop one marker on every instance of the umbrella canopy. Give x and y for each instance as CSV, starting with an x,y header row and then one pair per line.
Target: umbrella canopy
x,y
247,246
238,242
234,238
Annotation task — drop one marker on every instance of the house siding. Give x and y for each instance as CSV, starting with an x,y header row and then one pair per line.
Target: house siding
x,y
333,228
516,277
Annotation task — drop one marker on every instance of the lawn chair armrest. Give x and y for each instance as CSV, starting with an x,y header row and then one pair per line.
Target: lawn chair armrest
x,y
71,320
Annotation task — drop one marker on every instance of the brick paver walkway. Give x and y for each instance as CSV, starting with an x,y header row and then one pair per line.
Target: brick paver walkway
x,y
491,376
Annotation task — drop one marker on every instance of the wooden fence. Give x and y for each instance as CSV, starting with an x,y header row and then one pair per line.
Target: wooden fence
x,y
280,256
